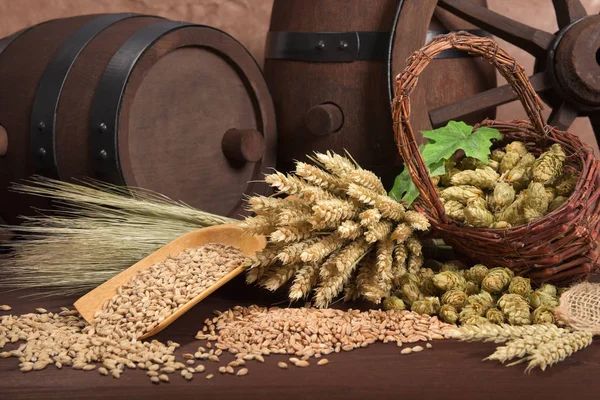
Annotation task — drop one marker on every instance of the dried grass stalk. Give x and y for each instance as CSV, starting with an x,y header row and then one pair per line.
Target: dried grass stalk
x,y
96,231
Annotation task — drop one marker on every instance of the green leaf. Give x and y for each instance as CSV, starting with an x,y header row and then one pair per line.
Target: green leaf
x,y
438,168
444,142
404,188
442,145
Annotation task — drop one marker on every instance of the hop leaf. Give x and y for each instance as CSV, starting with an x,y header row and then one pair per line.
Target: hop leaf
x,y
443,144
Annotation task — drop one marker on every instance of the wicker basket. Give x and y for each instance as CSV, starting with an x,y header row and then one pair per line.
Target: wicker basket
x,y
560,247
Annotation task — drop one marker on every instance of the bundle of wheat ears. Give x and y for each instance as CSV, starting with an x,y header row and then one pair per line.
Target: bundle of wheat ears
x,y
337,230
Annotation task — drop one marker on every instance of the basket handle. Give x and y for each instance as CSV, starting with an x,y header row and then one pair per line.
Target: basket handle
x,y
407,81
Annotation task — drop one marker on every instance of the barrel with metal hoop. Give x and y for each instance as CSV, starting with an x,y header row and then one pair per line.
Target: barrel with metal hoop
x,y
136,100
330,67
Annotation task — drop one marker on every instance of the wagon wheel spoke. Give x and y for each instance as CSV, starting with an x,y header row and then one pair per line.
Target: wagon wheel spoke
x,y
482,101
568,11
530,39
562,117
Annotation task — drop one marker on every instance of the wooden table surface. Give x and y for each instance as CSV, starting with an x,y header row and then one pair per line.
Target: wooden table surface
x,y
449,370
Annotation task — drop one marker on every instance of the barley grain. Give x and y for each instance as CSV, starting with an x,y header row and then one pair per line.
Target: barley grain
x,y
155,380
223,369
302,363
209,376
323,361
282,365
407,350
5,307
417,349
242,372
102,371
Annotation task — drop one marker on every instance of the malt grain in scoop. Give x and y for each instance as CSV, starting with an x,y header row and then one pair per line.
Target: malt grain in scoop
x,y
229,234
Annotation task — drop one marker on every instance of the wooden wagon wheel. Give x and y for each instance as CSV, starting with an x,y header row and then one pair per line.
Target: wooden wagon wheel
x,y
567,68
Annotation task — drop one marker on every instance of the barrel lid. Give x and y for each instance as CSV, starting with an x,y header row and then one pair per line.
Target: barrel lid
x,y
196,121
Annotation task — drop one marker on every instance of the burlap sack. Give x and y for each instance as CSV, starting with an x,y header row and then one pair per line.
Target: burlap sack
x,y
580,307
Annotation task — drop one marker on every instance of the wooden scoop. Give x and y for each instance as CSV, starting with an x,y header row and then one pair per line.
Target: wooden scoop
x,y
230,234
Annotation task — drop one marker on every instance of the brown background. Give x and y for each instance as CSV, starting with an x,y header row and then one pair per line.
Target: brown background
x,y
248,21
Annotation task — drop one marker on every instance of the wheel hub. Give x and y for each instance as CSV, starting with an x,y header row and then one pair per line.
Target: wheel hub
x,y
574,63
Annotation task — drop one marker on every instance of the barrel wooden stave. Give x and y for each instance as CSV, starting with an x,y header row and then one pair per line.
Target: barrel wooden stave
x,y
19,73
78,92
468,75
359,88
204,178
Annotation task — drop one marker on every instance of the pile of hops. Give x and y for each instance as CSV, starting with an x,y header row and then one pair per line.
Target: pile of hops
x,y
337,231
475,296
513,189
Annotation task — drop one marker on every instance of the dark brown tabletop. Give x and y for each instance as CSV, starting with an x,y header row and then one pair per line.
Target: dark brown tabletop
x,y
447,371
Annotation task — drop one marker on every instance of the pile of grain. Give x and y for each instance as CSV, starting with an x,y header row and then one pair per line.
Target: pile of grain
x,y
154,294
253,332
65,338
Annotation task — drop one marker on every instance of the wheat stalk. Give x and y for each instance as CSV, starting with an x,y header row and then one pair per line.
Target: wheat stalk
x,y
96,231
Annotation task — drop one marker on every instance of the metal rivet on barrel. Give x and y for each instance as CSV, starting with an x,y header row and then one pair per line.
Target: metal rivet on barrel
x,y
42,152
320,44
41,126
103,154
343,45
102,127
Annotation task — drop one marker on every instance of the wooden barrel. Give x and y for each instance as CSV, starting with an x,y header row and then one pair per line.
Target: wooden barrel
x,y
136,100
330,65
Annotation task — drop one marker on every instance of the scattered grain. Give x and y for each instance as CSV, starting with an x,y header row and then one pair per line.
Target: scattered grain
x,y
302,363
282,365
323,361
242,372
200,368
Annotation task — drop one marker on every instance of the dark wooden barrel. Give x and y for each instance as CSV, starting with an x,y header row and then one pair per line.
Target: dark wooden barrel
x,y
329,65
137,100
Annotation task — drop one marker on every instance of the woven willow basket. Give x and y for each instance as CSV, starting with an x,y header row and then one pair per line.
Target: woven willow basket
x,y
560,247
